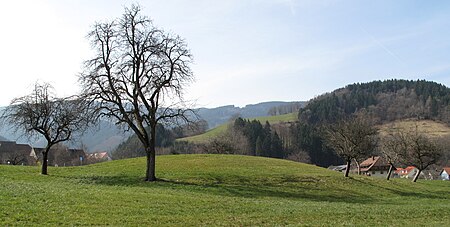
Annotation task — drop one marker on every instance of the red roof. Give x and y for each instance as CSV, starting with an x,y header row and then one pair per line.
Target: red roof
x,y
447,170
405,171
367,164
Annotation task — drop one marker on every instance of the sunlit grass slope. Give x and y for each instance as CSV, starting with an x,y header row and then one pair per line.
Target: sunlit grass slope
x,y
218,190
205,137
428,127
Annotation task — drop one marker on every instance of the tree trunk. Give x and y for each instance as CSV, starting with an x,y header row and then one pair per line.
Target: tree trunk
x,y
44,162
151,156
391,167
417,175
347,170
358,167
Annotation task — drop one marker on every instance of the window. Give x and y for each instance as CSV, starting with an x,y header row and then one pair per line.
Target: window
x,y
373,172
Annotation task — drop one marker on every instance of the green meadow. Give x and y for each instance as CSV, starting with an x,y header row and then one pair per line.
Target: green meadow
x,y
218,190
210,134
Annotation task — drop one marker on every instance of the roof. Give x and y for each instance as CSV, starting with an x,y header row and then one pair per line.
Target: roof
x,y
99,155
11,151
338,168
373,161
446,169
405,171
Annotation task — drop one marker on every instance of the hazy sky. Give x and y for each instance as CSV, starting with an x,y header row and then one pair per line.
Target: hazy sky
x,y
244,51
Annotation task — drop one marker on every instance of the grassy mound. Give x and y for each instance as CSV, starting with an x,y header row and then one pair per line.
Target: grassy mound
x,y
197,190
205,137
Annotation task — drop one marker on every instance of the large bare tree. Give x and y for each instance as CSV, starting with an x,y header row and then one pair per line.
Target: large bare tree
x,y
351,139
137,76
42,114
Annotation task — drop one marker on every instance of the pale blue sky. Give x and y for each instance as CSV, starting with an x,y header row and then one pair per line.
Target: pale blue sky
x,y
245,51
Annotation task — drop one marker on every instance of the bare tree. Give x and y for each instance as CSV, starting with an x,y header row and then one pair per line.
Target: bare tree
x,y
137,76
391,147
421,152
351,139
41,114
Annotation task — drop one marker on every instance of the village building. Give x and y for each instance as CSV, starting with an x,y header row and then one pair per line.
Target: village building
x,y
445,173
409,172
340,168
12,153
61,156
98,157
375,166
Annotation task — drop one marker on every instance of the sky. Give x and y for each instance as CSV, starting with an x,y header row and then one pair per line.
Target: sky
x,y
245,51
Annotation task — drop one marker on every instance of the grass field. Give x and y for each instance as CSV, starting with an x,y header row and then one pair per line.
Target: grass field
x,y
217,190
223,127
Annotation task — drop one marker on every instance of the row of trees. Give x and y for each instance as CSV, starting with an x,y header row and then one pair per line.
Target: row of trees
x,y
356,138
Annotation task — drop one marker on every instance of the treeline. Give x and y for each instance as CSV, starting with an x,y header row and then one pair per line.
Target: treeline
x,y
381,101
165,138
293,107
262,141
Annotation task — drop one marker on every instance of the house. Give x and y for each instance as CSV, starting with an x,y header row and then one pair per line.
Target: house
x,y
445,173
15,154
60,156
339,168
375,166
98,157
409,172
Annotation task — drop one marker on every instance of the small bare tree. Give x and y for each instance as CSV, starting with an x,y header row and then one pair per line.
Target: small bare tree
x,y
391,147
421,152
41,114
137,76
351,139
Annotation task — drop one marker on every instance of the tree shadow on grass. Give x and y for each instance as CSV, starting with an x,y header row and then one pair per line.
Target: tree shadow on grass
x,y
285,188
406,192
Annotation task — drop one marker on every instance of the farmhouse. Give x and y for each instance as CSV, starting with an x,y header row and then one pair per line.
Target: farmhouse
x,y
409,172
375,166
61,156
445,173
15,154
98,157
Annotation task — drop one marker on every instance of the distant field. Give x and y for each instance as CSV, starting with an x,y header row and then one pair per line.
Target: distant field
x,y
222,128
215,190
431,128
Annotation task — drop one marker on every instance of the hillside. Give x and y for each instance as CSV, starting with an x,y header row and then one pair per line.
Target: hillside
x,y
428,127
215,190
383,102
205,137
220,115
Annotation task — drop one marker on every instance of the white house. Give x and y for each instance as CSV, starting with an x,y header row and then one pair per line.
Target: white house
x,y
409,172
445,173
375,166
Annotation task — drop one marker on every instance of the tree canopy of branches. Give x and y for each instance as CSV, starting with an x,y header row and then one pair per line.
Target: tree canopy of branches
x,y
42,114
421,151
391,147
351,139
137,76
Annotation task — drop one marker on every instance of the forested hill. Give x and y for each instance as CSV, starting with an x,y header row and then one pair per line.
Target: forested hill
x,y
384,100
